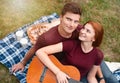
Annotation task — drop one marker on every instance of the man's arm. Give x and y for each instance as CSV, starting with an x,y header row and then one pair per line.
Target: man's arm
x,y
28,55
40,42
20,66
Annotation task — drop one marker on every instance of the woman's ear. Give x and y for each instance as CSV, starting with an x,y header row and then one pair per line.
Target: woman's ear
x,y
93,39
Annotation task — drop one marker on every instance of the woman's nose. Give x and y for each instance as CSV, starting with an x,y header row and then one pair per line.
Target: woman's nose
x,y
82,30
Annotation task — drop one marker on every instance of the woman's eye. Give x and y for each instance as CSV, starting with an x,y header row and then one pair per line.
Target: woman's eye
x,y
76,22
88,31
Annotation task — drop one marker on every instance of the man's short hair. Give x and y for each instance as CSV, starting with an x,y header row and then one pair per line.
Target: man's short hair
x,y
71,7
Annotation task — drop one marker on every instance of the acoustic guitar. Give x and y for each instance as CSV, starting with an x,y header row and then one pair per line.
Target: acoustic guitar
x,y
38,73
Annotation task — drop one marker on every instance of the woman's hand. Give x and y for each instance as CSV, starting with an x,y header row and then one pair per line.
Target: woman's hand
x,y
62,77
102,81
17,67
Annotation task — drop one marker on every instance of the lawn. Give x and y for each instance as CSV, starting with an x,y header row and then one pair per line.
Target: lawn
x,y
16,13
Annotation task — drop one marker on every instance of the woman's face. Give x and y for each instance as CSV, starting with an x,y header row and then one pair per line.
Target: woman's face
x,y
87,33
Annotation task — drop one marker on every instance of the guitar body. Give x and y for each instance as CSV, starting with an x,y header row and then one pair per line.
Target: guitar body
x,y
36,68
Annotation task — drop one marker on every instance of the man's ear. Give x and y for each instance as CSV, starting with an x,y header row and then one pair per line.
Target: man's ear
x,y
61,17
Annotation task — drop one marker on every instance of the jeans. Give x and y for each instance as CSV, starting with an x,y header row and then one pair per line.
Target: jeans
x,y
108,75
84,79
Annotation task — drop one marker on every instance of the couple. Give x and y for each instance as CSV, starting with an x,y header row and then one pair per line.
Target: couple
x,y
78,43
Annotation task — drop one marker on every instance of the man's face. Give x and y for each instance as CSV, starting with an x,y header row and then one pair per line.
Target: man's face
x,y
69,22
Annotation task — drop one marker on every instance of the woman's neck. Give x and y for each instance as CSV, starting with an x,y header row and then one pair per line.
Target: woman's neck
x,y
86,46
63,33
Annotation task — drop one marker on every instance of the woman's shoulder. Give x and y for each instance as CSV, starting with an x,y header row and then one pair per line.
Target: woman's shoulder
x,y
99,53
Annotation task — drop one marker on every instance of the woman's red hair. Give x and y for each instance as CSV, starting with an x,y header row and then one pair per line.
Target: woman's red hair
x,y
98,33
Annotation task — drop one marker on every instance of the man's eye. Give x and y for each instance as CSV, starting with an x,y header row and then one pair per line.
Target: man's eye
x,y
68,19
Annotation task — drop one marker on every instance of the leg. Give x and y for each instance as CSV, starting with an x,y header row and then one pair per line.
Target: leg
x,y
109,77
84,80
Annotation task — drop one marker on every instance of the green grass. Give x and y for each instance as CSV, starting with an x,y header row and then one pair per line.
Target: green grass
x,y
5,77
16,13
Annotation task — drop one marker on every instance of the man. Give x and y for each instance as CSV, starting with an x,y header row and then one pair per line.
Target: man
x,y
69,20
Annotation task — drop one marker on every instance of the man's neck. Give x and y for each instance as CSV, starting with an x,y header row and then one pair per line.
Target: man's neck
x,y
63,33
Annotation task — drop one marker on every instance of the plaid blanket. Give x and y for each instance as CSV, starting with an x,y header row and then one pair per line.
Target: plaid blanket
x,y
12,52
117,74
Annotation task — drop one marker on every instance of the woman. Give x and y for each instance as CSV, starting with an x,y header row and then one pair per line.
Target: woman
x,y
82,53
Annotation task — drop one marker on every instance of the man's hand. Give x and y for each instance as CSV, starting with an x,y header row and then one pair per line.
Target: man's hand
x,y
17,67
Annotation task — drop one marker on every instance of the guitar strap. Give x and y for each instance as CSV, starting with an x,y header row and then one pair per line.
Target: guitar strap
x,y
43,74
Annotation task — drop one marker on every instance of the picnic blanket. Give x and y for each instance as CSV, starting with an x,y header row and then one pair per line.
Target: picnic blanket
x,y
12,52
114,68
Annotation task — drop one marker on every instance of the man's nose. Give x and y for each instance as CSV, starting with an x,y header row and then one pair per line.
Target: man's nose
x,y
72,23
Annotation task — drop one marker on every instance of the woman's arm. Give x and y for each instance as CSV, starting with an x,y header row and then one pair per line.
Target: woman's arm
x,y
100,75
43,56
92,74
45,51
